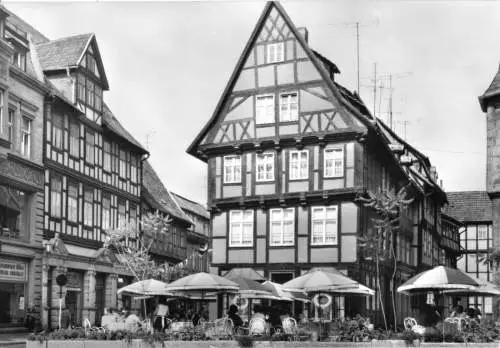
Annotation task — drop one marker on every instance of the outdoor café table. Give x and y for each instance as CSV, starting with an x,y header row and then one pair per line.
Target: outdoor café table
x,y
178,326
119,326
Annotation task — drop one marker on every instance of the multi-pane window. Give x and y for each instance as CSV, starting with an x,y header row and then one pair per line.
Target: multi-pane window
x,y
74,139
57,131
19,59
122,217
265,166
26,137
107,156
10,125
133,168
282,227
232,169
264,108
55,197
89,147
123,164
324,225
90,93
133,216
106,212
334,162
275,52
241,228
72,203
88,207
299,164
289,106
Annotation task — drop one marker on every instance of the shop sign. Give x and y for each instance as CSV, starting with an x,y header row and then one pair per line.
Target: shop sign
x,y
13,270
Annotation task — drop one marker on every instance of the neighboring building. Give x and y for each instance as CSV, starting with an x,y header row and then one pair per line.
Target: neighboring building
x,y
52,112
198,234
288,151
170,247
22,93
474,210
490,104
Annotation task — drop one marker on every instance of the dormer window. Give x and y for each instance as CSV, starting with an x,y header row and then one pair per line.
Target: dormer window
x,y
275,52
19,59
18,38
89,97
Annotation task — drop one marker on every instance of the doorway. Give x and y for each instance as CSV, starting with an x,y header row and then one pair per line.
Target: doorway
x,y
100,288
74,304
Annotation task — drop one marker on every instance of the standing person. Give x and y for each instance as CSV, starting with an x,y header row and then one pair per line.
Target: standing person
x,y
478,312
233,315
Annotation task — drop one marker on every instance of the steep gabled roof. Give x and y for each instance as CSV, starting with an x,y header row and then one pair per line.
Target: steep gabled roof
x,y
111,122
366,119
469,206
492,90
191,206
162,199
63,53
68,52
35,35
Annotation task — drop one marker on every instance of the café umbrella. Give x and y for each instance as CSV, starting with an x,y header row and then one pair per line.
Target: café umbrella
x,y
439,278
284,295
330,281
148,287
484,289
202,282
249,288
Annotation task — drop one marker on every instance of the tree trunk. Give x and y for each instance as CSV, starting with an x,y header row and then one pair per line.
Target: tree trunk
x,y
380,292
393,288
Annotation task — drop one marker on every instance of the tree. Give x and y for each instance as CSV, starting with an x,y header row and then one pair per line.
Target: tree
x,y
379,240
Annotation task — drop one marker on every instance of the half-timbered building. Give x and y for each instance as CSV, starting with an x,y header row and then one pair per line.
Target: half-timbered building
x,y
288,151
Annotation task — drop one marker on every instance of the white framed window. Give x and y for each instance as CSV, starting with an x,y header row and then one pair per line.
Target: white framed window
x,y
106,212
10,125
334,162
232,169
282,226
123,164
55,197
26,137
107,156
264,108
265,167
289,106
275,52
88,207
122,215
324,227
72,203
299,165
74,139
89,147
57,131
133,168
241,228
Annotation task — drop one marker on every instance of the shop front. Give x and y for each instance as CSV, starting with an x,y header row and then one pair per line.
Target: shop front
x,y
13,287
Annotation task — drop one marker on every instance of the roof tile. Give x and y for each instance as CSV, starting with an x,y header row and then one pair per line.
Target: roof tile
x,y
111,122
160,194
62,53
469,206
191,206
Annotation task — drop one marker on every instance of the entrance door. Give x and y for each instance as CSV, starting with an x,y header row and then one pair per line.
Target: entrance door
x,y
73,302
5,316
99,297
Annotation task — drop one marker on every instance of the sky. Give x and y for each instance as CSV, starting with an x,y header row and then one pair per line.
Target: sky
x,y
167,64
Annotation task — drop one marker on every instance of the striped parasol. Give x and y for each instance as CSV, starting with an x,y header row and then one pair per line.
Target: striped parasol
x,y
437,279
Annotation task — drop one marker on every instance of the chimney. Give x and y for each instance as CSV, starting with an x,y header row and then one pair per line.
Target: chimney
x,y
305,34
433,173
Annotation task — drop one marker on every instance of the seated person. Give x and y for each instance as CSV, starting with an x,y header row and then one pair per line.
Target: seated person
x,y
257,312
133,322
233,315
274,318
108,318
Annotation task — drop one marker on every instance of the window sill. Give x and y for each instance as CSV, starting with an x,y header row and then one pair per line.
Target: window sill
x,y
281,246
264,181
241,246
300,179
324,245
232,183
333,177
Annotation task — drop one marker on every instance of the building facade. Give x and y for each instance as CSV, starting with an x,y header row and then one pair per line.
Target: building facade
x,y
198,234
288,151
474,211
22,95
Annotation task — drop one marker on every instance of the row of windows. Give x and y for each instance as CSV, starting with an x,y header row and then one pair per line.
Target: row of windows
x,y
125,163
288,108
298,167
25,135
324,227
89,217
